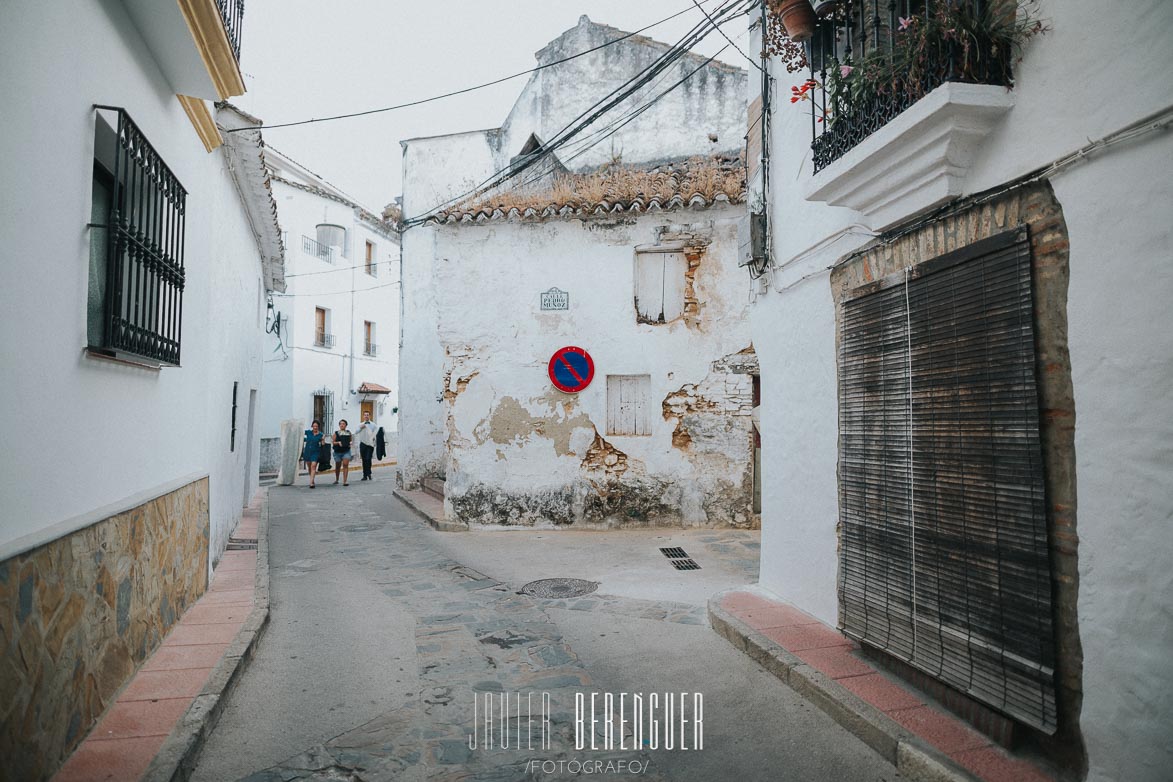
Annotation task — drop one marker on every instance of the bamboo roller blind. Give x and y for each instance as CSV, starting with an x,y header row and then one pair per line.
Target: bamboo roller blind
x,y
943,558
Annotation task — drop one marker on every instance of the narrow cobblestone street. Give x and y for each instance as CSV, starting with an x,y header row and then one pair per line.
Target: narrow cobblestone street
x,y
382,630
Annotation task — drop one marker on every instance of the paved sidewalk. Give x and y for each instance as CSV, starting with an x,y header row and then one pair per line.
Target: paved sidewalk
x,y
922,740
135,730
383,629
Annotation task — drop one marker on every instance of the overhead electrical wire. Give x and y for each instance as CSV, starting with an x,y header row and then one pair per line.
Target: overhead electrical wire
x,y
475,87
608,102
748,59
728,11
613,127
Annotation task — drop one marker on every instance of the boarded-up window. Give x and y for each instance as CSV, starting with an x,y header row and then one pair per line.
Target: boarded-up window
x,y
659,286
944,560
627,404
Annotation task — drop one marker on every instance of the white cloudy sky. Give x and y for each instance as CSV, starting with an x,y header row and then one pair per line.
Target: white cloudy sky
x,y
308,58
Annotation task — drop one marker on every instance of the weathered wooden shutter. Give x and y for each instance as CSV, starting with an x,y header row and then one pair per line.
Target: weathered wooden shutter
x,y
753,139
659,285
944,560
627,404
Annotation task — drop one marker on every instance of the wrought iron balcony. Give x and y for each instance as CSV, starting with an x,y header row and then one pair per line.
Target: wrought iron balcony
x,y
323,340
371,349
870,60
232,12
312,247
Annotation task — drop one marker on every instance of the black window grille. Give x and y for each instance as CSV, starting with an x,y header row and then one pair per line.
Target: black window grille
x,y
323,408
137,301
864,37
944,560
232,440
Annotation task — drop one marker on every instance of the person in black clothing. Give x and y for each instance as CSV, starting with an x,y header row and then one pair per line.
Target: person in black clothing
x,y
342,455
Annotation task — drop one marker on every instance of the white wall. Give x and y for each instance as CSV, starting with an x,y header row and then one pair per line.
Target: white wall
x,y
421,367
103,432
504,350
1121,341
1092,73
799,429
441,168
677,125
351,297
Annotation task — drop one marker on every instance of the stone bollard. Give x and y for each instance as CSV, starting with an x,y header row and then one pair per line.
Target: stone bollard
x,y
292,434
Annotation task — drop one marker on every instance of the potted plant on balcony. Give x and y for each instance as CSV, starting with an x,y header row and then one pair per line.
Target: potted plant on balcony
x,y
798,17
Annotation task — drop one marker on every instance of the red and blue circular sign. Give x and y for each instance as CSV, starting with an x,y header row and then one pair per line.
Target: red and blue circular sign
x,y
571,369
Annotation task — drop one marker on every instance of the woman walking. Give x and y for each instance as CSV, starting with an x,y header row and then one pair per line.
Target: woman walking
x,y
311,450
341,441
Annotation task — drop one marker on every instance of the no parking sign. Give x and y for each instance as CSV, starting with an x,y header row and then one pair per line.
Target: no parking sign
x,y
571,369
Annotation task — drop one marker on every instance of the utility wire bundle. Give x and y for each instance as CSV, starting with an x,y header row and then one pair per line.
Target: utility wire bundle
x,y
726,12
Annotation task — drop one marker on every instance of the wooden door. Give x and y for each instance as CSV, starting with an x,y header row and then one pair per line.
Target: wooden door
x,y
367,406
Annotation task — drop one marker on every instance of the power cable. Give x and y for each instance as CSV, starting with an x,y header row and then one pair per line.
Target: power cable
x,y
752,62
613,127
492,83
338,293
727,12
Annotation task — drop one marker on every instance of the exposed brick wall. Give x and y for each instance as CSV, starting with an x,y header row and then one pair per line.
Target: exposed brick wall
x,y
78,616
1034,206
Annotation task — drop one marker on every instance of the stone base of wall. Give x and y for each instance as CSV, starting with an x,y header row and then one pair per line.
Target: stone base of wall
x,y
78,616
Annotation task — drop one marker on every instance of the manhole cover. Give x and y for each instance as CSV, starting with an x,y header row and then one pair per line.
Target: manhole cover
x,y
559,587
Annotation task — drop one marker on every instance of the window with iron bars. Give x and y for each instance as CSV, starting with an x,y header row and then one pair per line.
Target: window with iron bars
x,y
137,219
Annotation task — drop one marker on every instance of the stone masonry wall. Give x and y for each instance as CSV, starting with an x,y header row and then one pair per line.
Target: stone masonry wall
x,y
1036,207
78,616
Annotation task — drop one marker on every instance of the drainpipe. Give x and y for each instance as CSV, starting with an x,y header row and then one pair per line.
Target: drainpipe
x,y
350,384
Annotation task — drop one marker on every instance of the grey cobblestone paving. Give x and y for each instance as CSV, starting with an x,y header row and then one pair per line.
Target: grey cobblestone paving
x,y
380,638
473,634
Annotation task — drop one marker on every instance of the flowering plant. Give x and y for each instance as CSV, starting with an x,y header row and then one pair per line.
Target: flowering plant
x,y
951,40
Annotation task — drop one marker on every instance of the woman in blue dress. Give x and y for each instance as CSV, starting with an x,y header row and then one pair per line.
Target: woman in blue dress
x,y
311,451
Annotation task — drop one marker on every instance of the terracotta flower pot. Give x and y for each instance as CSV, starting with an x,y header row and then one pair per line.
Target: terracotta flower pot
x,y
798,17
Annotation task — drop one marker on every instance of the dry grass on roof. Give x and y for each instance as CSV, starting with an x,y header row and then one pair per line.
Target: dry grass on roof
x,y
709,177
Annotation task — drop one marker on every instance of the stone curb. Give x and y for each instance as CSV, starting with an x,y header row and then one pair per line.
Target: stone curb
x,y
442,525
176,761
915,759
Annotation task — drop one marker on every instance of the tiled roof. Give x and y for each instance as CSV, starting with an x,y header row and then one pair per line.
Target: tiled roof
x,y
696,183
246,148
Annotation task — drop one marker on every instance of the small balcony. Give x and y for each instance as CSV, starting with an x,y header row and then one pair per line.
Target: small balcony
x,y
316,249
901,94
323,340
370,349
232,14
195,42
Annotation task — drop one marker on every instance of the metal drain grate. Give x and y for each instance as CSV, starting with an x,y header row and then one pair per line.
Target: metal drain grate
x,y
685,564
559,587
234,546
674,553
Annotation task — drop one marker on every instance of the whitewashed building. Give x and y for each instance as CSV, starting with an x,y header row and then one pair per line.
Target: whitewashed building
x,y
140,250
965,346
332,345
633,263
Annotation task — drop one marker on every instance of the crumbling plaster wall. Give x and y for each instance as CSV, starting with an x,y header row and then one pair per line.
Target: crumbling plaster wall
x,y
678,125
521,452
